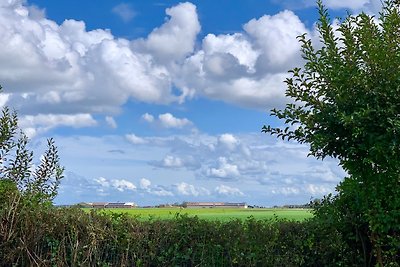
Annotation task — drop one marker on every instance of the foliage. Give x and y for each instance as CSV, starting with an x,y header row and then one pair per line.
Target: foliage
x,y
346,105
48,236
40,183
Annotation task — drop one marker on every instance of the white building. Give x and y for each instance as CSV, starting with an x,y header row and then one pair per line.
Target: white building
x,y
215,205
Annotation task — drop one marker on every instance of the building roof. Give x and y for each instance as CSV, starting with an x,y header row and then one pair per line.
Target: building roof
x,y
121,203
215,204
97,203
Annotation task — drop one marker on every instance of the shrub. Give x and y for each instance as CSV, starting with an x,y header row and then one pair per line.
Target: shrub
x,y
47,236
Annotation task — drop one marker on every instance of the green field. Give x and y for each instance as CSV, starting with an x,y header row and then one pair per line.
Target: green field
x,y
216,213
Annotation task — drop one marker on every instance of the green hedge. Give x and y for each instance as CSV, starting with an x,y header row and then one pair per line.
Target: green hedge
x,y
39,235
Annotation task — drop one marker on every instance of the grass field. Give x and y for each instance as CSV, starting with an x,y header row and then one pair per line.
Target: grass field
x,y
216,213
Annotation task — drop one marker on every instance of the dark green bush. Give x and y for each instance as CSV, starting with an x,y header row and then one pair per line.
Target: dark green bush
x,y
346,213
41,235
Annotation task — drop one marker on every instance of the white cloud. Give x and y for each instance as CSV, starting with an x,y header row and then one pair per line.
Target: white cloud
x,y
59,68
275,36
52,120
171,161
167,120
247,69
318,190
310,189
102,181
159,191
253,158
273,172
119,184
41,123
136,140
111,122
228,191
175,39
122,185
148,117
3,99
124,11
236,45
229,141
62,66
190,190
224,170
163,191
286,190
144,183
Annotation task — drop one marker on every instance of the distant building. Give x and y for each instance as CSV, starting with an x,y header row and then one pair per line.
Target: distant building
x,y
214,205
125,205
108,205
164,206
98,205
303,206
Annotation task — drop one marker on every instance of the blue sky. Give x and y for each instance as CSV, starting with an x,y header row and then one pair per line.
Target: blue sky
x,y
163,101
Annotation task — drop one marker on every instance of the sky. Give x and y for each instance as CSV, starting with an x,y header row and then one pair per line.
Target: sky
x,y
163,101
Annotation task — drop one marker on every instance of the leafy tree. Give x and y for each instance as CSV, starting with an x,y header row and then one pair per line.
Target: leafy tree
x,y
346,104
16,162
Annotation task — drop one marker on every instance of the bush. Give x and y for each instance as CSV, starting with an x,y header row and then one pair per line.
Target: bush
x,y
47,236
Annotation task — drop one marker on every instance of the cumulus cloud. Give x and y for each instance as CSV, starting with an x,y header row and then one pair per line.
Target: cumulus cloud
x,y
276,36
247,69
102,181
61,68
122,185
33,125
228,140
262,173
224,170
236,45
111,122
144,183
251,158
52,120
3,99
76,188
285,190
124,11
311,189
191,190
162,192
108,187
148,117
228,191
318,190
136,140
119,184
176,38
171,161
167,120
